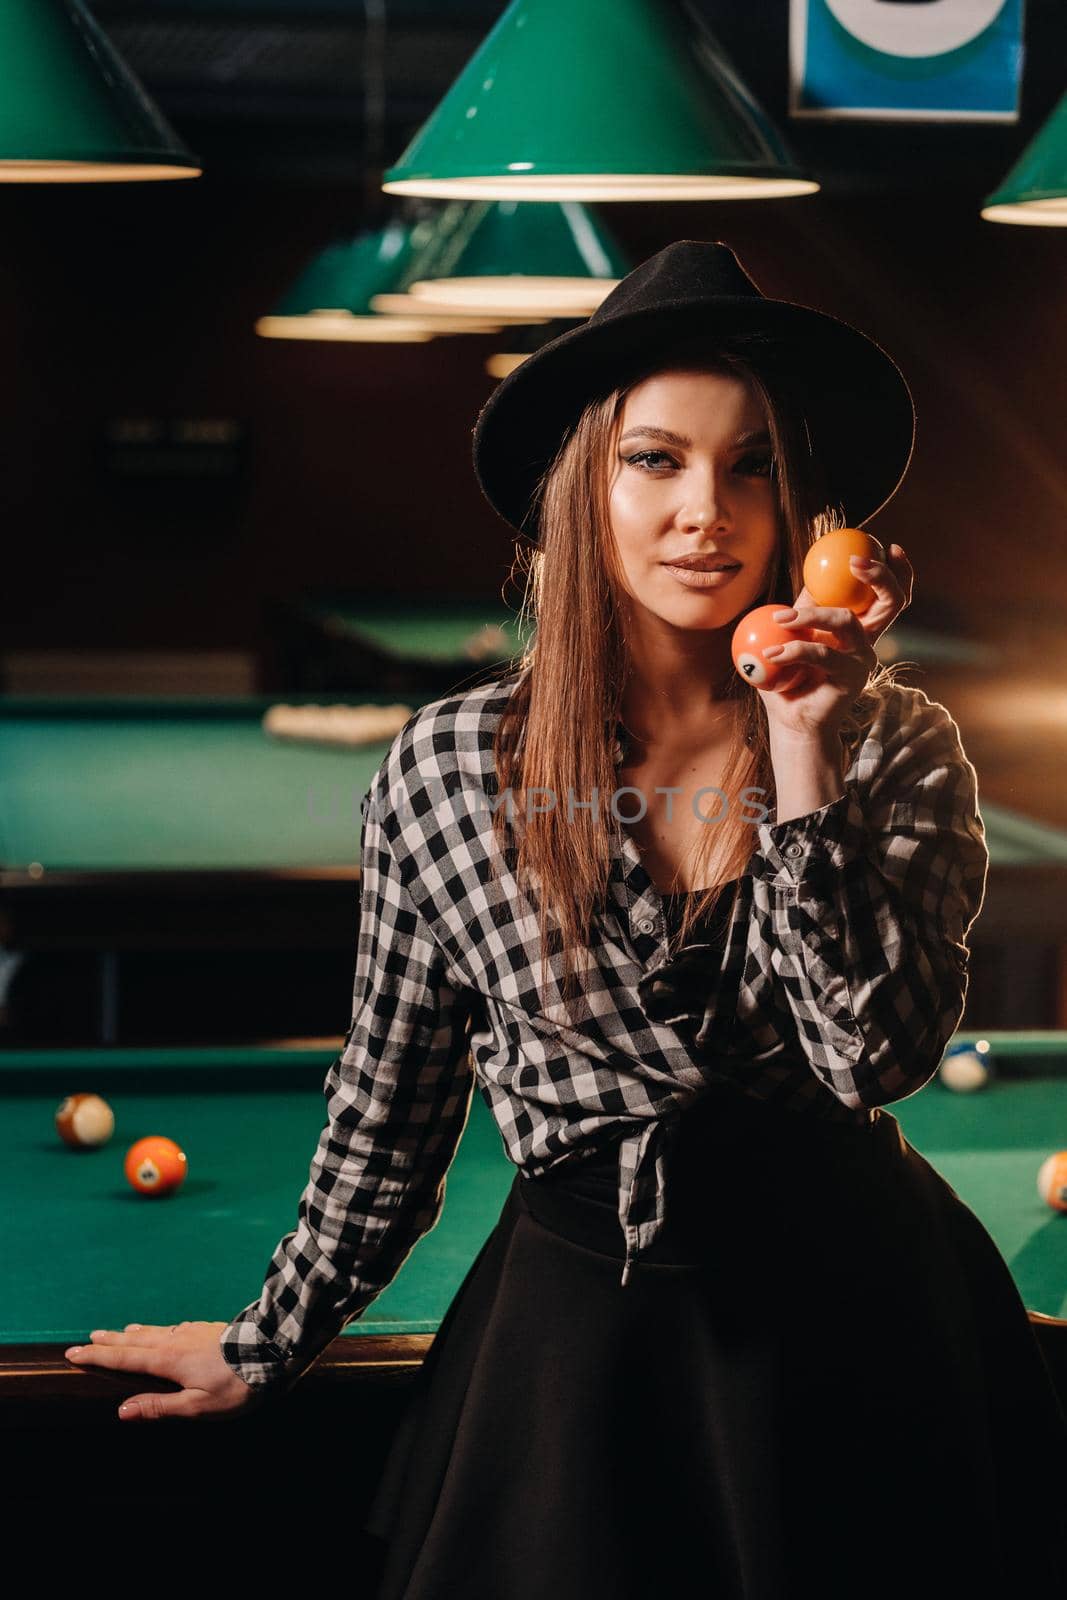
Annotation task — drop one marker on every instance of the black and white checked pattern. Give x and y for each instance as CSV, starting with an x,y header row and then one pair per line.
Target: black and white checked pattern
x,y
842,978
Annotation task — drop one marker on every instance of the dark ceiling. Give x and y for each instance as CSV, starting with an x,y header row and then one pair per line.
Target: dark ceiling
x,y
275,89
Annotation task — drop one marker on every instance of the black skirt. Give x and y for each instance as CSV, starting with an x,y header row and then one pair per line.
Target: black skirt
x,y
823,1381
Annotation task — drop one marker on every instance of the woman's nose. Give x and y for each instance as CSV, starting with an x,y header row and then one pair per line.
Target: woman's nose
x,y
703,501
700,514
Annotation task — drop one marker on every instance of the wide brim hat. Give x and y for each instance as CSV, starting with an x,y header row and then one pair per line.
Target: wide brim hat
x,y
856,404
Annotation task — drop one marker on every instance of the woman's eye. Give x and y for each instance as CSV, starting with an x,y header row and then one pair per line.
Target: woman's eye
x,y
761,465
757,465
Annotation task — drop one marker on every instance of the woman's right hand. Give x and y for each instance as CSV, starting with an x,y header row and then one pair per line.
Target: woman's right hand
x,y
187,1353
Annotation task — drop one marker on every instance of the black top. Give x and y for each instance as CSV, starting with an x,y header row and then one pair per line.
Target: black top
x,y
711,926
596,1176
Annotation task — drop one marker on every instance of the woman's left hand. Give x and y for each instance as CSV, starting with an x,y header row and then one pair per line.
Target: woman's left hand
x,y
834,667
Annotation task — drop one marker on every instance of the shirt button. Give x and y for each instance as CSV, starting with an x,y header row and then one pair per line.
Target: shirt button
x,y
646,925
794,849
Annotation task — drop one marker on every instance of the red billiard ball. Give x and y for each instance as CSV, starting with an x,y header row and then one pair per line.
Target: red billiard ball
x,y
155,1165
753,633
84,1120
828,576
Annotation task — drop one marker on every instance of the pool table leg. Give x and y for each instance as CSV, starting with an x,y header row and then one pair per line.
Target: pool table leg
x,y
109,997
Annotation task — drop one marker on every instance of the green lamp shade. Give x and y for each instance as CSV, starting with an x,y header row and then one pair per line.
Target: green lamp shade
x,y
1035,190
71,111
540,258
343,276
598,100
335,297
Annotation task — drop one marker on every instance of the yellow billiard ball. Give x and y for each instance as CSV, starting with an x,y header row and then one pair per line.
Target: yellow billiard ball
x,y
84,1120
829,578
155,1165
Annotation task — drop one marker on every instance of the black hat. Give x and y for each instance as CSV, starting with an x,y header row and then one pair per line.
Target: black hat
x,y
857,406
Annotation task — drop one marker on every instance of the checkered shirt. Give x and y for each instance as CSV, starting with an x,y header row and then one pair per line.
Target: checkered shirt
x,y
842,978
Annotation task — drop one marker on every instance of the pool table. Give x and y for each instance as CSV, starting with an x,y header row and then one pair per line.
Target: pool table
x,y
146,825
83,1251
86,1251
410,643
137,827
339,640
437,628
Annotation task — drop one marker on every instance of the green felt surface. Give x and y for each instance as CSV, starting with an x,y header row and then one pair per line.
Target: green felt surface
x,y
905,642
83,1251
140,784
431,629
440,628
989,1146
87,788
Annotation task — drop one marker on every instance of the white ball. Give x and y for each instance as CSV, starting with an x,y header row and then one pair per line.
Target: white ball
x,y
964,1072
85,1120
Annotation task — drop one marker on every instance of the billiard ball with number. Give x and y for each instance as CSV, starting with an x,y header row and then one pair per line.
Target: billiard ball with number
x,y
752,635
155,1165
828,575
84,1121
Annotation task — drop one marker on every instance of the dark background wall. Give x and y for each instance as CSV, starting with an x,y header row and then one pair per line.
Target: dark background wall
x,y
139,301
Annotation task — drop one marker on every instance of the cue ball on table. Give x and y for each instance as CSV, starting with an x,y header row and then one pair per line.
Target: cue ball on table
x,y
84,1120
1052,1181
966,1067
829,578
155,1165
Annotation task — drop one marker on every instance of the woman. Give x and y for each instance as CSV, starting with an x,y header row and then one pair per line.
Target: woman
x,y
730,1330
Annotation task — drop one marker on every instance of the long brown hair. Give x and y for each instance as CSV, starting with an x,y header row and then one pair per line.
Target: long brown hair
x,y
557,732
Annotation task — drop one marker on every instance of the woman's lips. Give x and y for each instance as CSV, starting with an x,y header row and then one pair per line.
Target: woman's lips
x,y
693,578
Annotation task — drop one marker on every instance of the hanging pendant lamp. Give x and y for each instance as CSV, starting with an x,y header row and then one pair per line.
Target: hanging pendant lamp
x,y
548,259
432,238
1035,190
70,110
349,291
598,100
332,299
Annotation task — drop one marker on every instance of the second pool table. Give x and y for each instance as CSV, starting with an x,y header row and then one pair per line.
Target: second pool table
x,y
136,827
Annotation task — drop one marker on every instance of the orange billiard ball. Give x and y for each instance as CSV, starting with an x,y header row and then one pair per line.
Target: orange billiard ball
x,y
84,1120
829,578
155,1165
753,634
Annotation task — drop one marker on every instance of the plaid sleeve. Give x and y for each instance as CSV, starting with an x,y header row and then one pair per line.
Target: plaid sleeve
x,y
398,1097
870,899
